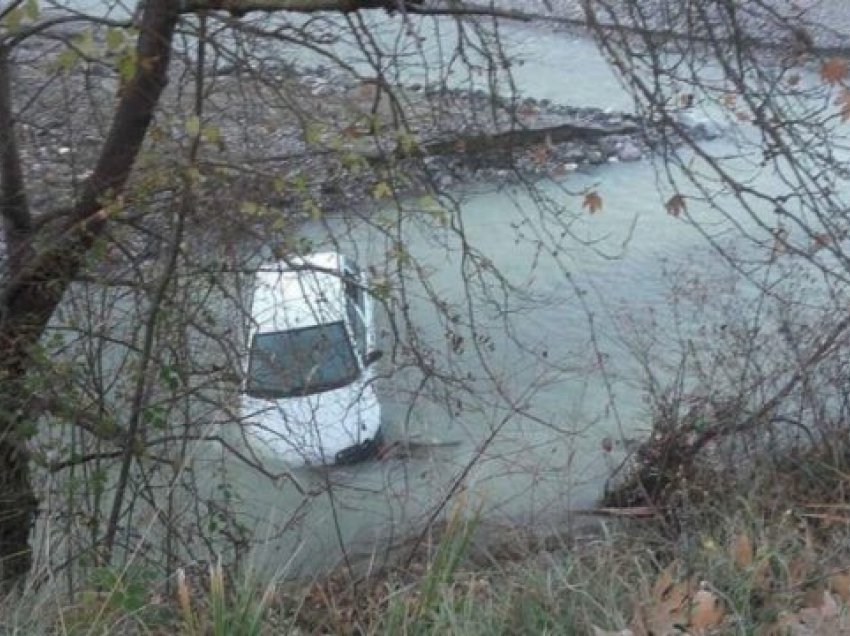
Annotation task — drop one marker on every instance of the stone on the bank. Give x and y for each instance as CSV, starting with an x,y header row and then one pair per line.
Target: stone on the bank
x,y
628,151
699,126
596,157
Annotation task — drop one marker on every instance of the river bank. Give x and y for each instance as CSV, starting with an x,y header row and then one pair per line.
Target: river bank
x,y
330,144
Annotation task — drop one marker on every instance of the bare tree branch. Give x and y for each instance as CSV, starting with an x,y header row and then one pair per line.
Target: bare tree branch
x,y
241,7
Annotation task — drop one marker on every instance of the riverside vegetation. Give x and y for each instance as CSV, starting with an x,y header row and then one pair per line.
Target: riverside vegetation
x,y
730,515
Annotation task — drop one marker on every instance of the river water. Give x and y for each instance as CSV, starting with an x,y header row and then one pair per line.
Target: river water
x,y
518,304
545,376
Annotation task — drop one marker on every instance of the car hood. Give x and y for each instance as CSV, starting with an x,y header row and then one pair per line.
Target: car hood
x,y
314,428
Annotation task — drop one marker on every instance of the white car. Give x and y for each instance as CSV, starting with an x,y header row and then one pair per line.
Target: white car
x,y
308,394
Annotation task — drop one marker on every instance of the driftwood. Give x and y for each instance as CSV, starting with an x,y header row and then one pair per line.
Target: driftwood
x,y
504,142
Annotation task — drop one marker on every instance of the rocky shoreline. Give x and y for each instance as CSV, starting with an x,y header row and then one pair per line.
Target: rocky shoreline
x,y
303,160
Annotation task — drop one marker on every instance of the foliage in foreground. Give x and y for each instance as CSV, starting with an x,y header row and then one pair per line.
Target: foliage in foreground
x,y
770,556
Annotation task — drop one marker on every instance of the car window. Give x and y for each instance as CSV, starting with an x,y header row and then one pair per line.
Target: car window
x,y
300,362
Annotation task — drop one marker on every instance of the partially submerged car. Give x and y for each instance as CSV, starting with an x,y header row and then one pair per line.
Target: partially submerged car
x,y
308,395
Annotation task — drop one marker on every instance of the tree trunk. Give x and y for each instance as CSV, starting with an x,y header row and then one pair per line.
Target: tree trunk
x,y
18,504
33,287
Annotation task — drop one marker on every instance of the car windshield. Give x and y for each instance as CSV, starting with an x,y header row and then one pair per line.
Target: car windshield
x,y
301,362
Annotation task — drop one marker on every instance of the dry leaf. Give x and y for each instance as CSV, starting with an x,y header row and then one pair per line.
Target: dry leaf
x,y
822,618
821,239
730,100
742,551
706,611
540,154
592,202
787,624
813,597
780,238
839,584
663,583
663,618
670,604
676,205
834,70
798,570
762,576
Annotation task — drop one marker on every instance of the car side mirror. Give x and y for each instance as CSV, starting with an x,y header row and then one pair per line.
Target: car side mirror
x,y
373,356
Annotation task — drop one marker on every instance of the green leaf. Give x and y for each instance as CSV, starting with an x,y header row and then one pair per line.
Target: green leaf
x,y
155,416
299,183
211,133
193,125
428,203
314,209
126,65
193,175
31,9
169,377
84,42
98,481
312,135
67,59
407,144
354,162
250,208
382,190
13,19
114,38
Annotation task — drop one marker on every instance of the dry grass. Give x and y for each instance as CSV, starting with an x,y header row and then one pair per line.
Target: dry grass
x,y
769,554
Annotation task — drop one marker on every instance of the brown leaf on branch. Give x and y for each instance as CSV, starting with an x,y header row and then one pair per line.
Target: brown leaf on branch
x,y
834,70
820,240
780,242
676,205
592,202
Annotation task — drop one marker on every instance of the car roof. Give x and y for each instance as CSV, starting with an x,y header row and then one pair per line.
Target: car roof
x,y
299,292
